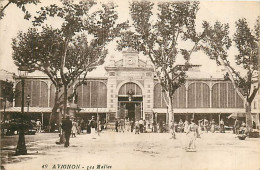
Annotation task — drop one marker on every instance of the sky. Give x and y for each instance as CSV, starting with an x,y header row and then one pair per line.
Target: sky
x,y
223,11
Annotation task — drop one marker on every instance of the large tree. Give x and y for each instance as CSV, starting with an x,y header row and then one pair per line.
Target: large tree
x,y
244,72
20,4
66,54
173,35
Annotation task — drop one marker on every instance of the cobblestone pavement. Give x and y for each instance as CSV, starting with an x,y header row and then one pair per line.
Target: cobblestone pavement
x,y
149,151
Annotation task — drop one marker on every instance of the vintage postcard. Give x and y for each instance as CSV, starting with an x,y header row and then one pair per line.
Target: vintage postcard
x,y
129,85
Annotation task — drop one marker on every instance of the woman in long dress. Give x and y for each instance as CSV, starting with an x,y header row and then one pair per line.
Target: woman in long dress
x,y
186,125
212,126
192,135
74,129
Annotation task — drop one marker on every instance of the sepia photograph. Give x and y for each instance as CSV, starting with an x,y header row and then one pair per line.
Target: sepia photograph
x,y
129,85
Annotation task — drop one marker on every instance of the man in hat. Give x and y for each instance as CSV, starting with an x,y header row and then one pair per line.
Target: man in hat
x,y
38,125
172,130
66,127
92,124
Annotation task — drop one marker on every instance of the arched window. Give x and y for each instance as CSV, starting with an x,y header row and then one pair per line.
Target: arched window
x,y
225,96
92,95
198,95
125,88
179,97
37,90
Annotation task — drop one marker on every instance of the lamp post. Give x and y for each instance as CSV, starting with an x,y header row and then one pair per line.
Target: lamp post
x,y
21,147
28,100
130,95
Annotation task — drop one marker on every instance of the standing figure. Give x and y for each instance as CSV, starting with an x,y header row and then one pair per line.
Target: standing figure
x,y
186,125
38,125
192,135
206,124
127,125
212,129
141,125
144,129
116,125
137,127
99,128
154,126
66,127
222,126
74,129
122,125
82,125
132,125
237,125
181,126
172,130
92,125
160,126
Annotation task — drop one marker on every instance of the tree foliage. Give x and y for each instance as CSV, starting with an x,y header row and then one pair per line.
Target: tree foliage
x,y
216,45
163,39
20,4
7,90
66,54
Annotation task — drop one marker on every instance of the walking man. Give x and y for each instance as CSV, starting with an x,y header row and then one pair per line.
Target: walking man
x,y
116,125
66,127
38,125
92,124
172,130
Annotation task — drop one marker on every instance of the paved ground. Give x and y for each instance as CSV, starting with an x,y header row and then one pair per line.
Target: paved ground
x,y
148,151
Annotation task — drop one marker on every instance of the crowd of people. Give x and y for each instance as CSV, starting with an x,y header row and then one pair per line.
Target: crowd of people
x,y
127,125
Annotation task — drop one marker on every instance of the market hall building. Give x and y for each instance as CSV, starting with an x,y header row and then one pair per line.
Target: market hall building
x,y
130,89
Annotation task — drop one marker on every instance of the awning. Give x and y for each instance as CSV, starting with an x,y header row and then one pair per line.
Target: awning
x,y
94,110
200,110
31,110
236,115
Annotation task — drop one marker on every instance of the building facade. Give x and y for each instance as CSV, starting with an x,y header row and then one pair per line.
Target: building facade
x,y
130,89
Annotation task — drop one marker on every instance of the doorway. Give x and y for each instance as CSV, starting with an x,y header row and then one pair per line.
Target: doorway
x,y
130,109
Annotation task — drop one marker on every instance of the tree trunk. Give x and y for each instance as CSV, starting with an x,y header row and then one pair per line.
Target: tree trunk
x,y
171,117
249,116
65,98
53,114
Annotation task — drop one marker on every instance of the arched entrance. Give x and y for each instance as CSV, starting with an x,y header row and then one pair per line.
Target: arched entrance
x,y
130,102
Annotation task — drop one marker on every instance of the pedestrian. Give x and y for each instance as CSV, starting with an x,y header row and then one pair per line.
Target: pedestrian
x,y
237,125
127,125
212,129
206,124
116,125
141,125
82,125
172,130
144,128
66,127
38,125
186,125
122,125
192,135
132,125
92,124
161,126
137,127
222,126
74,129
181,126
78,127
154,126
201,125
